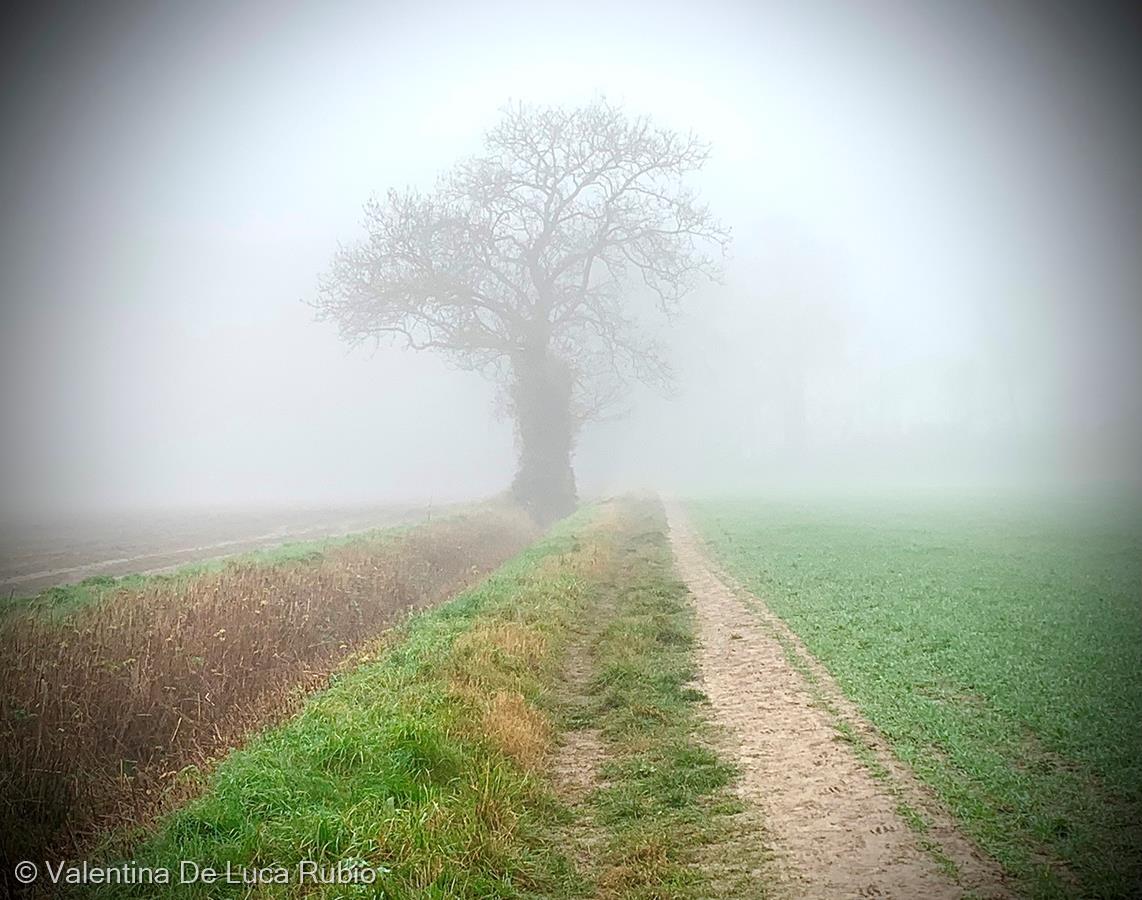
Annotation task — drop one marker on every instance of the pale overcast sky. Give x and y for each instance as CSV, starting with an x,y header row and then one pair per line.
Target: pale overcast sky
x,y
953,186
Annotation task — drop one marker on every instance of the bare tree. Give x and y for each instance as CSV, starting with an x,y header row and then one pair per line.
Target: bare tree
x,y
522,263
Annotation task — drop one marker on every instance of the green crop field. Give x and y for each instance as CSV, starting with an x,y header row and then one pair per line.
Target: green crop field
x,y
997,645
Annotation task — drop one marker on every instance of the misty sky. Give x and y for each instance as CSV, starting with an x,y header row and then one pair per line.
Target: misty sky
x,y
934,205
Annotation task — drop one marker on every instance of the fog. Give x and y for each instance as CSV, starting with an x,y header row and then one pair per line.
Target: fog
x,y
934,274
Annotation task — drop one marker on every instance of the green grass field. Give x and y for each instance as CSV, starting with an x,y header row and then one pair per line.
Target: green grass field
x,y
996,645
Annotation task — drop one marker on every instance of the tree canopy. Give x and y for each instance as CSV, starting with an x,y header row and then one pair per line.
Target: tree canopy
x,y
522,261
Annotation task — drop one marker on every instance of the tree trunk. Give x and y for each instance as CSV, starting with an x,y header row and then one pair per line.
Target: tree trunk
x,y
541,401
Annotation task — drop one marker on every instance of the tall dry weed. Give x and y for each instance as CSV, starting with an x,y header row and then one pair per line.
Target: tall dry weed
x,y
101,711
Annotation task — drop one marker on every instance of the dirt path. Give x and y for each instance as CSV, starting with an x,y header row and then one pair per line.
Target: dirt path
x,y
833,826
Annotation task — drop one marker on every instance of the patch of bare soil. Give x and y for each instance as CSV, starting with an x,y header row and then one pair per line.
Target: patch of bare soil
x,y
575,767
834,828
580,753
578,758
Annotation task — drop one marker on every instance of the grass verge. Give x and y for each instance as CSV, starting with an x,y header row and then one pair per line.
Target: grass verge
x,y
100,711
420,764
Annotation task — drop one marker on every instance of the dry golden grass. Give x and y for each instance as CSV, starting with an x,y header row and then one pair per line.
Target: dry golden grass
x,y
518,730
486,666
502,643
492,657
636,869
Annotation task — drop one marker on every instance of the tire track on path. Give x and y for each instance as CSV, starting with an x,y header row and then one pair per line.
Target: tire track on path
x,y
834,827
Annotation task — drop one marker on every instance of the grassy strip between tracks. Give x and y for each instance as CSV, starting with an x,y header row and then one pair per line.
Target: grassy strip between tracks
x,y
430,764
671,826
